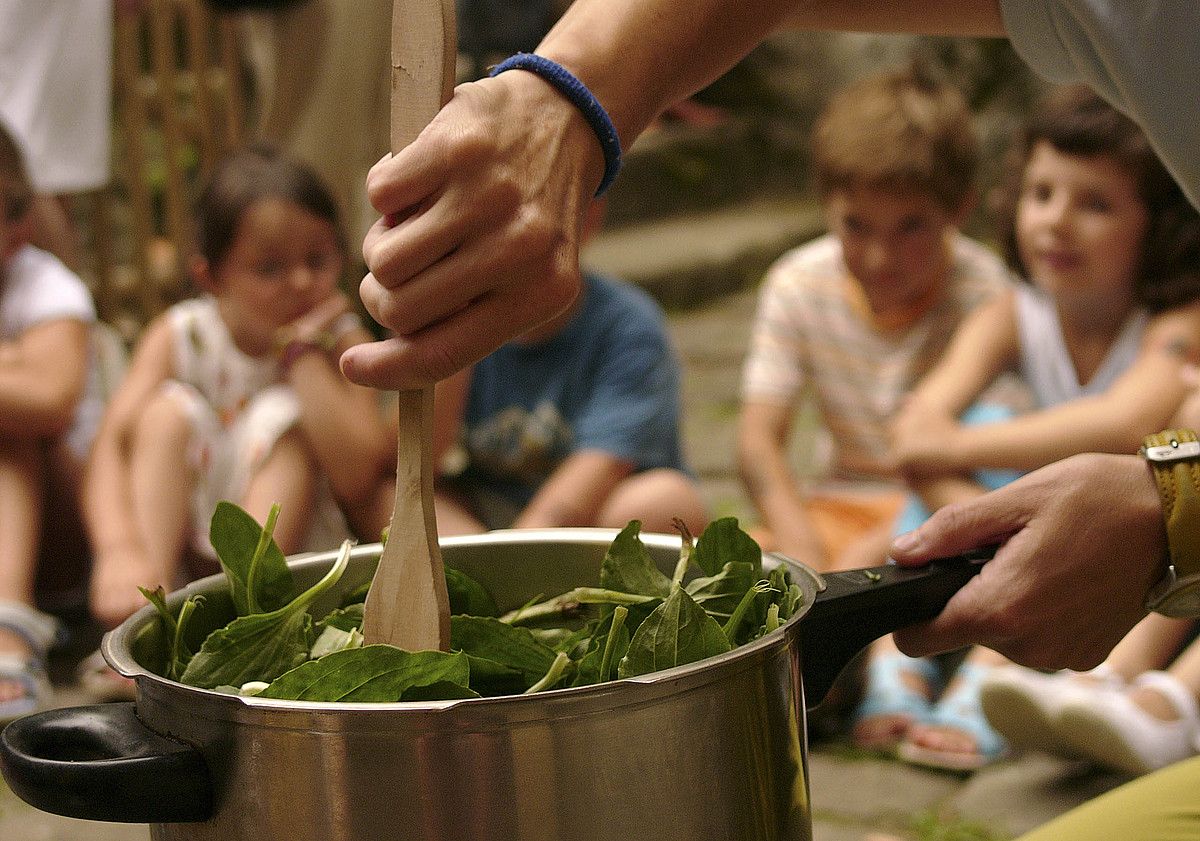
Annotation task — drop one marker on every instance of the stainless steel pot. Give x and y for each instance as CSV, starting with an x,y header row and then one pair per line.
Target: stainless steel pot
x,y
710,751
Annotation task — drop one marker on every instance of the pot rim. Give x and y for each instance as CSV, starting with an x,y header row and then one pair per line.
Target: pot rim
x,y
120,657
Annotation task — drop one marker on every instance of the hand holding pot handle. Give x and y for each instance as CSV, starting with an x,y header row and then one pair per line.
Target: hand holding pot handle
x,y
101,763
859,606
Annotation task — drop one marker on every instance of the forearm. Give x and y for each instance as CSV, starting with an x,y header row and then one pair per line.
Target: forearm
x,y
941,491
626,51
775,491
32,406
575,491
1030,441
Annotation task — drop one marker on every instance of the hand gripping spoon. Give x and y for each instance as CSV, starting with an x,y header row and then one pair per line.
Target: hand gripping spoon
x,y
407,605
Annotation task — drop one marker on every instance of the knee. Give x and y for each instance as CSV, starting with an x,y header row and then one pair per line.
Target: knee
x,y
165,419
657,498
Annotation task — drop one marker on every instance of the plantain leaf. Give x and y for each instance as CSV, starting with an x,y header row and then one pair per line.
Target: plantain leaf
x,y
628,568
372,674
678,631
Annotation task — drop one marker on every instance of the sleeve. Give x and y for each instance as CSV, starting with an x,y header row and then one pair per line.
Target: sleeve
x,y
774,367
50,291
1140,56
633,409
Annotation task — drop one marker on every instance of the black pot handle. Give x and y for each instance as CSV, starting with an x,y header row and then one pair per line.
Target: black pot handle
x,y
101,763
859,606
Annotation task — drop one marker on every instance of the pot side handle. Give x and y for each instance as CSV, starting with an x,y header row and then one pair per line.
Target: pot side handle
x,y
101,763
859,606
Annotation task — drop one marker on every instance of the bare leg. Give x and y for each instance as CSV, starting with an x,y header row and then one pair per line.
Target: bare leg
x,y
287,477
1152,644
453,516
161,482
1185,669
21,467
657,498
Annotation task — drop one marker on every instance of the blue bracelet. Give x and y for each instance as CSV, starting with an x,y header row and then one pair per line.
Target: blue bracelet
x,y
579,96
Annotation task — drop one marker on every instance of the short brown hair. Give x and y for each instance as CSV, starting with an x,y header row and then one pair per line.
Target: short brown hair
x,y
16,190
1076,121
899,130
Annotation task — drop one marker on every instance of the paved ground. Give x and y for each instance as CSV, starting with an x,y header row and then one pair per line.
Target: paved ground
x,y
853,796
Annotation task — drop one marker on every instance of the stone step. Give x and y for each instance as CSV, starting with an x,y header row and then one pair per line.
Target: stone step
x,y
690,259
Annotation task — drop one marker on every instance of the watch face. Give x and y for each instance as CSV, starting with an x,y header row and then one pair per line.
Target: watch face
x,y
1182,602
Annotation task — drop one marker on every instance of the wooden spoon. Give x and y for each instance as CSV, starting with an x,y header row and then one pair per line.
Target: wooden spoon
x,y
407,605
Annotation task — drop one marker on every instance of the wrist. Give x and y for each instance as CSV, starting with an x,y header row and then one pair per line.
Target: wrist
x,y
574,91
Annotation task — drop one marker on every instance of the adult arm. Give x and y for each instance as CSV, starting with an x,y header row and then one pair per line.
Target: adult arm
x,y
764,429
1082,541
483,210
42,376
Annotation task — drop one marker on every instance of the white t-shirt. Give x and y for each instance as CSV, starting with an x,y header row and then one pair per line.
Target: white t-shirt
x,y
37,288
56,89
1141,55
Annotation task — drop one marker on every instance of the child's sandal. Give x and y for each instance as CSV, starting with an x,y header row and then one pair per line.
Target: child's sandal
x,y
959,710
889,696
28,671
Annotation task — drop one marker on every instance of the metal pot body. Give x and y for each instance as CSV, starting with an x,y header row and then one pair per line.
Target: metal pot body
x,y
706,752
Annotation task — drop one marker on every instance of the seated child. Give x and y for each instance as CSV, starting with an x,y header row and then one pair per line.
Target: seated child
x,y
1101,332
574,424
50,402
237,394
856,317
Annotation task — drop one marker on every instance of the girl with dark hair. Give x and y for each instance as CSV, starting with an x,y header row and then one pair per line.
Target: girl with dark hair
x,y
1101,333
236,394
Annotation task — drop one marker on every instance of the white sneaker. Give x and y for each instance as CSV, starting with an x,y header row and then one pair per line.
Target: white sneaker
x,y
1023,705
1115,732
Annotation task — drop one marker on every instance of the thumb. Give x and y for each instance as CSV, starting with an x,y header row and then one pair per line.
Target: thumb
x,y
958,528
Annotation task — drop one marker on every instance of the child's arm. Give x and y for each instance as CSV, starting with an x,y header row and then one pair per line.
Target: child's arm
x,y
1141,401
573,494
42,377
984,345
344,425
764,430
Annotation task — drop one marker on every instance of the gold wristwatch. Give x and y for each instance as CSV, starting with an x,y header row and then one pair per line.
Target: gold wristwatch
x,y
1174,458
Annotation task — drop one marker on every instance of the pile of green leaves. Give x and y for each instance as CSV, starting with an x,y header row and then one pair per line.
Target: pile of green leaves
x,y
636,621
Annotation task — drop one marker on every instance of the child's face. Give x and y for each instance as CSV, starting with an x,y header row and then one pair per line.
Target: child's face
x,y
1080,226
894,243
284,261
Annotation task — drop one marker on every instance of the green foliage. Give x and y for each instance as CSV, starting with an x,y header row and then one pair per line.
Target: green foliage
x,y
636,622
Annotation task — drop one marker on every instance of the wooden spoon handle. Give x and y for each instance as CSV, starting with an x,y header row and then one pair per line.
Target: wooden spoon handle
x,y
407,604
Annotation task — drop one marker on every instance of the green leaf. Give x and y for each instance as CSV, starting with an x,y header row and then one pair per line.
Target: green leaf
x,y
468,596
628,568
261,646
490,678
491,639
345,618
724,542
178,653
257,647
371,674
677,632
591,666
235,536
719,594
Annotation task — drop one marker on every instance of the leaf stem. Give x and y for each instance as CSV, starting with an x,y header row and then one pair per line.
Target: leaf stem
x,y
570,601
618,623
264,540
551,677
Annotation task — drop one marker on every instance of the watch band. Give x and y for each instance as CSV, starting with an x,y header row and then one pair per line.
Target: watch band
x,y
1174,458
